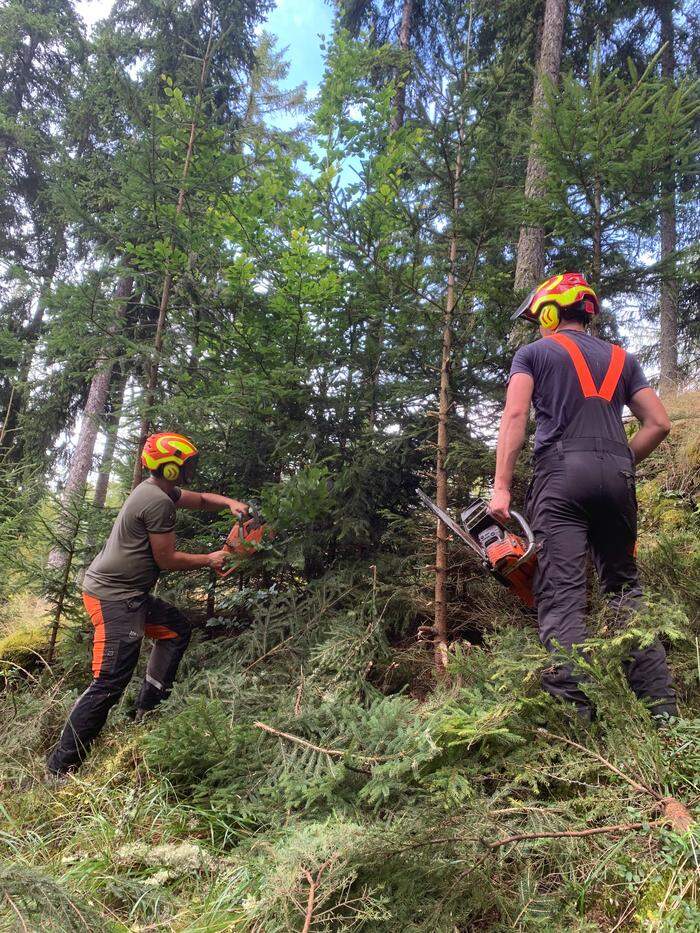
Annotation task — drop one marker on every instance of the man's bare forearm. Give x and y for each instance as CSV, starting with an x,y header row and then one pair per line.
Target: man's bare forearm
x,y
511,438
210,502
645,441
179,560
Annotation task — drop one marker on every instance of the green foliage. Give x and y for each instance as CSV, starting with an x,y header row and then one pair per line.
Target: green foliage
x,y
306,760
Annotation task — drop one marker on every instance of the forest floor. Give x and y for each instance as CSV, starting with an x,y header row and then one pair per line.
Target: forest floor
x,y
306,775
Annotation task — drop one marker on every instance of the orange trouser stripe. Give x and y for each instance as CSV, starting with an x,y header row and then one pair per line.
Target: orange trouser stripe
x,y
160,631
94,609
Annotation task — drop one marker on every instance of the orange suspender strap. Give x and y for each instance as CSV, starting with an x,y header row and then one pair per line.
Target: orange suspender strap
x,y
582,371
612,377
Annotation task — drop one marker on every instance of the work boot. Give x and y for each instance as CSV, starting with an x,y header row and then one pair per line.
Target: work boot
x,y
663,720
55,780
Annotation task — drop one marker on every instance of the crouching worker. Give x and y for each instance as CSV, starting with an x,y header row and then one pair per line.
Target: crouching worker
x,y
582,494
117,594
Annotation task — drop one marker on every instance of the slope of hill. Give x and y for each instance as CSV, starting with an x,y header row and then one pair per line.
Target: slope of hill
x,y
304,775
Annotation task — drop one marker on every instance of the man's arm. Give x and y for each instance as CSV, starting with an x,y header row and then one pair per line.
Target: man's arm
x,y
167,558
511,437
209,502
648,409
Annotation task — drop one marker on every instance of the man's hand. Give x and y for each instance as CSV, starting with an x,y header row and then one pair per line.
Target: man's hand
x,y
238,508
499,506
217,559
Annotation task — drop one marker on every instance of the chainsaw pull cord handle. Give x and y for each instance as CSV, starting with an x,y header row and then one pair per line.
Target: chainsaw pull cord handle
x,y
528,535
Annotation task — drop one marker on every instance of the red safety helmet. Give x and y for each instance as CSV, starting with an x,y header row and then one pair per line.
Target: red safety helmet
x,y
543,304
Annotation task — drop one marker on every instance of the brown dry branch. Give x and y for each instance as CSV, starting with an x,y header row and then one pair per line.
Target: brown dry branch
x,y
575,833
675,812
313,887
332,752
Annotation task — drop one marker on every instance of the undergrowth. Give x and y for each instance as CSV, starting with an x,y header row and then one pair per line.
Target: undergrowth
x,y
306,774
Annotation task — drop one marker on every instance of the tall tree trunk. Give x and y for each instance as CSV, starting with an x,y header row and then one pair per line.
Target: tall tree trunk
x,y
119,378
150,392
399,111
81,460
668,324
529,269
444,404
17,403
375,329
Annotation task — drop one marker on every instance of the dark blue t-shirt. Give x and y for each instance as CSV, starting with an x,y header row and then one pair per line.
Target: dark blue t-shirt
x,y
557,394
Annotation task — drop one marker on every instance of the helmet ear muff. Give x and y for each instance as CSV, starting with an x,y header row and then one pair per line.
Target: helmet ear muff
x,y
549,316
171,471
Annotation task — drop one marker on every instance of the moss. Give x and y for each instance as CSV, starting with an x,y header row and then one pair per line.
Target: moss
x,y
24,649
672,518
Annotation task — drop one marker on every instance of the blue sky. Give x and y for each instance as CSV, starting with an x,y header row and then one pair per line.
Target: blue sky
x,y
297,24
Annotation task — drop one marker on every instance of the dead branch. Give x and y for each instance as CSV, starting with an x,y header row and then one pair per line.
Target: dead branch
x,y
575,833
643,788
675,812
313,887
333,752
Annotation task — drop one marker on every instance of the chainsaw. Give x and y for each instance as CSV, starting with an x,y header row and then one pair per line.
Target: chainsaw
x,y
510,558
243,539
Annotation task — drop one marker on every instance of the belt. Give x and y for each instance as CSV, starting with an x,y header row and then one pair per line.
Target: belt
x,y
597,445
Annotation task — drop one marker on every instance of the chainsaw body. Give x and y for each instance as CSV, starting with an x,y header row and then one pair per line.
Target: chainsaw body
x,y
507,556
243,540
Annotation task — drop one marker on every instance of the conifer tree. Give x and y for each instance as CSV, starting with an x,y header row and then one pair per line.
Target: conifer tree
x,y
530,265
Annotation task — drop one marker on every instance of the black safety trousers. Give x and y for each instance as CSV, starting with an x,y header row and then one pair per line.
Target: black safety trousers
x,y
120,626
582,499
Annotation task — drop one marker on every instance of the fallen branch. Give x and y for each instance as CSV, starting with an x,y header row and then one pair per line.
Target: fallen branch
x,y
675,812
604,761
333,752
313,887
574,833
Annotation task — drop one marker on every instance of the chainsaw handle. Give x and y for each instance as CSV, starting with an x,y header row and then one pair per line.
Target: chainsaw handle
x,y
528,535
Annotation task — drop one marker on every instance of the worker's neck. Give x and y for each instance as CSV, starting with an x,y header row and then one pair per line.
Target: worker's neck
x,y
163,484
570,325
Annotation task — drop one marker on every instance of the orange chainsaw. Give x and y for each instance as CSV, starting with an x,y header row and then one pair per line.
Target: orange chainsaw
x,y
510,558
243,539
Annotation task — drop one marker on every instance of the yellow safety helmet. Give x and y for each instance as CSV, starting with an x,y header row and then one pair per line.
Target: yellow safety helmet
x,y
543,303
172,455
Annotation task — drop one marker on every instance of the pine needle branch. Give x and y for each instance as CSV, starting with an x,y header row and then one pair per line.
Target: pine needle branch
x,y
643,788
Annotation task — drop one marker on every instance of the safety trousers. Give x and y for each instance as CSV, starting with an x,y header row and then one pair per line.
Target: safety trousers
x,y
120,626
584,501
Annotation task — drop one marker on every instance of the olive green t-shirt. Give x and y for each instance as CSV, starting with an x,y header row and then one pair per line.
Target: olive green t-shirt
x,y
125,567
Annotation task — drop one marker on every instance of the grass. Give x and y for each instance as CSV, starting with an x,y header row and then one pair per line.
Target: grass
x,y
388,807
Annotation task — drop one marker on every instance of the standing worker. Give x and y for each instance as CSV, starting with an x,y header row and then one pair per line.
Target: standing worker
x,y
117,594
582,493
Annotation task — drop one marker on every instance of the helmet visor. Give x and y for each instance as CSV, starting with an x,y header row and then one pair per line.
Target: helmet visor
x,y
524,309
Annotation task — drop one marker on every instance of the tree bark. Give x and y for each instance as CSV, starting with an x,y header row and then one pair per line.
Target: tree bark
x,y
119,377
150,393
81,460
16,405
375,329
668,298
399,111
529,269
444,403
